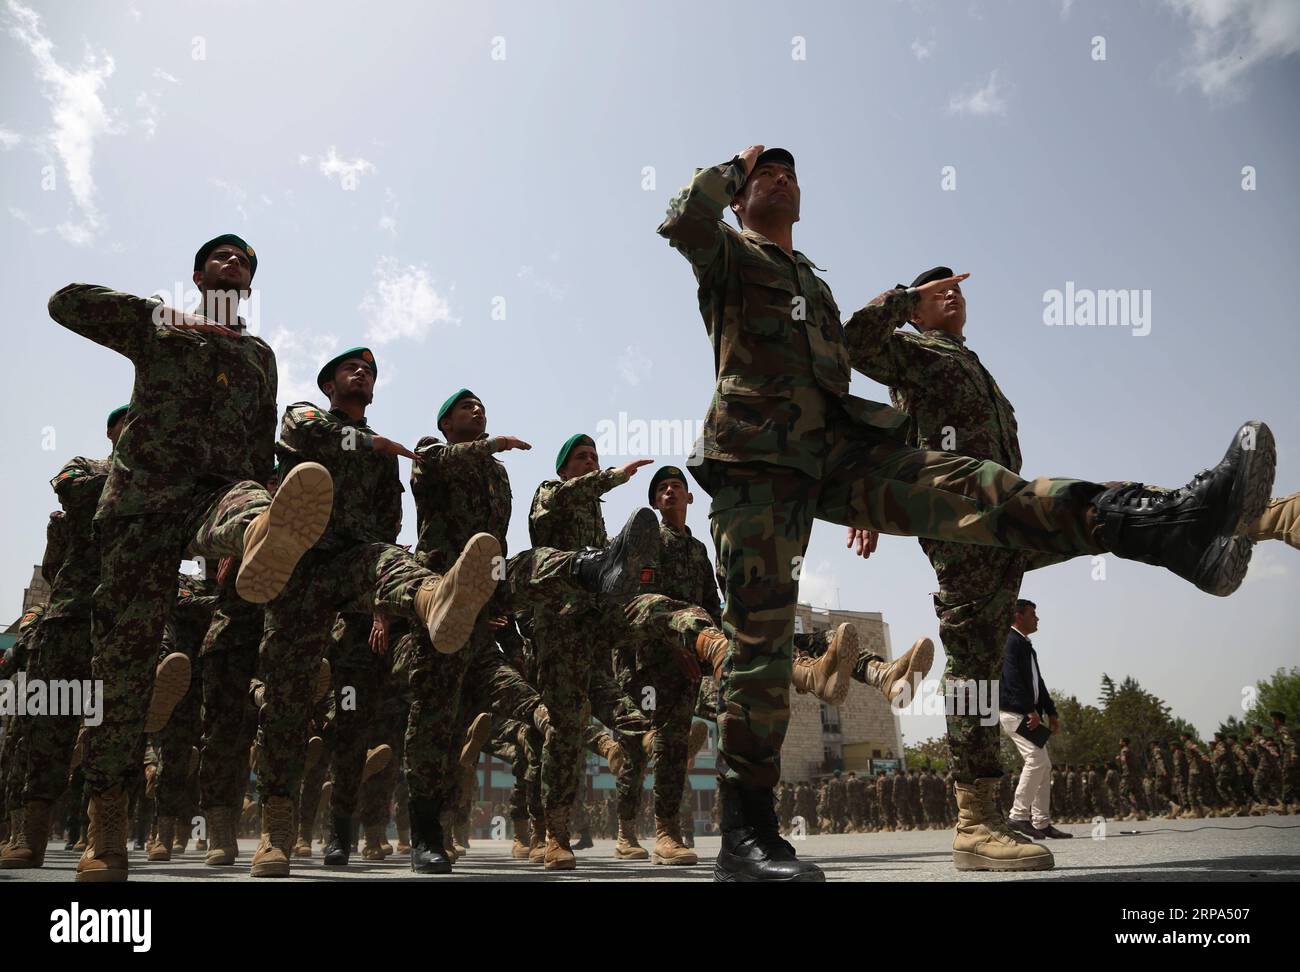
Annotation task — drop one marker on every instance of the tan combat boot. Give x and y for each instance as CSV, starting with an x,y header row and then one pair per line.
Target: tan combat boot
x,y
105,856
892,678
648,745
162,847
26,847
669,848
171,681
699,735
222,846
609,748
271,859
542,720
537,846
829,676
302,846
711,647
377,761
626,847
558,856
373,850
403,839
983,842
450,606
476,738
276,540
521,845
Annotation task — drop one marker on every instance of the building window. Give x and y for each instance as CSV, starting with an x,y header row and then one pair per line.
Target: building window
x,y
830,719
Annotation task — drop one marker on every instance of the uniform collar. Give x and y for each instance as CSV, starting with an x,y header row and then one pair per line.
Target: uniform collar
x,y
346,419
756,237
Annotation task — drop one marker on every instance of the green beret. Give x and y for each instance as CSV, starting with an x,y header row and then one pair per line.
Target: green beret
x,y
569,443
327,369
662,473
450,403
116,414
212,244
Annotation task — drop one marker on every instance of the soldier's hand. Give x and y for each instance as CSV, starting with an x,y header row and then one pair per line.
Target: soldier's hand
x,y
865,539
1032,720
630,469
498,622
379,634
388,447
941,285
504,443
223,568
749,156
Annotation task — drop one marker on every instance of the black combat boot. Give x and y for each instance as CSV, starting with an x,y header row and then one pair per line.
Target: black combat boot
x,y
616,568
428,854
752,848
338,852
1195,531
584,841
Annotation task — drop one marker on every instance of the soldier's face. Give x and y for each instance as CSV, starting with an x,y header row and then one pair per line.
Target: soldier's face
x,y
466,421
582,460
770,194
672,494
353,381
115,432
944,310
226,268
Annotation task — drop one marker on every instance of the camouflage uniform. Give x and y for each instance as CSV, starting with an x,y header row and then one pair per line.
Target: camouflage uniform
x,y
196,599
885,793
1195,791
13,751
184,480
1178,780
1159,782
360,682
805,806
1130,782
355,567
61,646
785,444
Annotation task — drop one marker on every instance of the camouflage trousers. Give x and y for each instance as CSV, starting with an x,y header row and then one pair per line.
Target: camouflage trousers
x,y
447,693
60,651
137,588
761,518
359,578
508,744
360,683
13,763
175,784
377,792
228,722
1130,800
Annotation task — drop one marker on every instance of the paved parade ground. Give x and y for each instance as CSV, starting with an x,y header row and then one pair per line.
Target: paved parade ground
x,y
1228,849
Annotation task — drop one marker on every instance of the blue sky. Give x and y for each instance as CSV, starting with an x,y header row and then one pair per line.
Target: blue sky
x,y
408,171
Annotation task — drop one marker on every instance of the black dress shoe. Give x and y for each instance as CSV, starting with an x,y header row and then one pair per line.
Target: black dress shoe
x,y
1195,531
1026,828
1055,834
752,848
338,852
428,850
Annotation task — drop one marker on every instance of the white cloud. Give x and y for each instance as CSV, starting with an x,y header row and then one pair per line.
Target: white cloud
x,y
388,219
147,102
26,220
633,366
547,286
402,303
1232,37
162,75
349,171
1065,8
921,51
235,196
298,356
1265,565
78,114
987,100
818,586
9,139
135,13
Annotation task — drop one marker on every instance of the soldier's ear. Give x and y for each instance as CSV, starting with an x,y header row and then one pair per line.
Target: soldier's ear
x,y
690,497
197,277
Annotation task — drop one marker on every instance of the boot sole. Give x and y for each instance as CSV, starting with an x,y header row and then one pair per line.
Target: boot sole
x,y
561,865
674,862
105,876
377,761
274,870
299,513
1223,567
921,659
170,684
1253,487
432,869
728,877
845,646
641,855
473,585
13,864
967,861
637,548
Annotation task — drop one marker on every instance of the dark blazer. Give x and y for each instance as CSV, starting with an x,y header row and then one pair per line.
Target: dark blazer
x,y
1016,693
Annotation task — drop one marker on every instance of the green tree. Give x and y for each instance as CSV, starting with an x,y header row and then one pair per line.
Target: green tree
x,y
1281,692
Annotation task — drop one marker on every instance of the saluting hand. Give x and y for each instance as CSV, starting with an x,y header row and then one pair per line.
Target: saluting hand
x,y
866,541
388,447
630,469
379,634
505,443
941,285
749,156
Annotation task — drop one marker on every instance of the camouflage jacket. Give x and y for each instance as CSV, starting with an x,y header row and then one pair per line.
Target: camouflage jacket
x,y
78,486
1179,761
202,409
56,544
781,366
565,514
685,573
1128,766
367,486
16,659
953,401
1156,764
460,489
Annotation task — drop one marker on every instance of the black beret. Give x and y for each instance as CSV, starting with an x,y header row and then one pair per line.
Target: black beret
x,y
662,473
217,241
327,369
938,273
778,155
